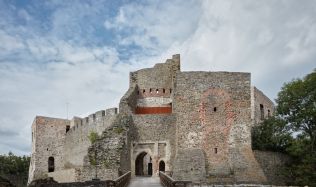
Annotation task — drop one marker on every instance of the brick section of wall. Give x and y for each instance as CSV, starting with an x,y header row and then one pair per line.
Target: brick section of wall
x,y
153,110
213,114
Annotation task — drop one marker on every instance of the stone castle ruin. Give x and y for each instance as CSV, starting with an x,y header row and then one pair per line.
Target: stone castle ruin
x,y
193,125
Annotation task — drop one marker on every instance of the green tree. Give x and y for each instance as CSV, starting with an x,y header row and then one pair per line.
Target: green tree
x,y
293,129
296,104
15,168
271,135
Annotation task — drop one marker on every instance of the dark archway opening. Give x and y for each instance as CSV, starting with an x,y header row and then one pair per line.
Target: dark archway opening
x,y
162,166
51,164
143,165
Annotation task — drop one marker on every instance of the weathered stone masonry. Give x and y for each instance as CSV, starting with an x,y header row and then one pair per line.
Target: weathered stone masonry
x,y
194,125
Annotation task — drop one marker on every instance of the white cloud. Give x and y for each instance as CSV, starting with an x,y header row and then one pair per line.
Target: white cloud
x,y
9,43
155,25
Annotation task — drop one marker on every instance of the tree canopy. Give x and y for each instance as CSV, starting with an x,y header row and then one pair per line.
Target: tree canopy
x,y
15,168
292,129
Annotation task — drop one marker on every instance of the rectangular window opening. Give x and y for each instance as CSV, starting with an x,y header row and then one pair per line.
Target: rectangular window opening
x,y
67,128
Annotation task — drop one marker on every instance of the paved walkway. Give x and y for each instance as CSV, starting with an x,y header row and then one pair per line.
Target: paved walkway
x,y
145,182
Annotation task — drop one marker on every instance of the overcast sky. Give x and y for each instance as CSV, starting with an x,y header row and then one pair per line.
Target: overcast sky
x,y
81,52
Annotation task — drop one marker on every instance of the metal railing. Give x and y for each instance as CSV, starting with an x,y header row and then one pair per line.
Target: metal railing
x,y
167,181
122,181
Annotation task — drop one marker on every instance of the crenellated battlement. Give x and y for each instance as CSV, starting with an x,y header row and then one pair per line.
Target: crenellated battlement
x,y
93,119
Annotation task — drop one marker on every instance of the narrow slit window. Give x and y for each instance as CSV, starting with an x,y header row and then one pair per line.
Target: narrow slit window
x,y
215,150
214,109
51,164
163,91
150,90
144,90
170,90
261,112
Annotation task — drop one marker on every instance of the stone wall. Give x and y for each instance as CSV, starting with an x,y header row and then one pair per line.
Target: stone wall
x,y
67,175
87,173
77,141
258,99
112,152
48,141
213,114
129,101
161,76
155,135
190,164
273,165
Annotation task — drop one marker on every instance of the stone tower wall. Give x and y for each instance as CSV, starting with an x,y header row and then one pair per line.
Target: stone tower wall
x,y
48,141
155,135
160,76
258,98
214,114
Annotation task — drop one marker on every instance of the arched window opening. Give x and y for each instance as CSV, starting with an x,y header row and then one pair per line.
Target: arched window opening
x,y
162,166
163,90
157,91
150,90
144,90
51,164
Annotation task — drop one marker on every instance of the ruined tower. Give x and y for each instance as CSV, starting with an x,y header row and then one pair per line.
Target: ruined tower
x,y
193,125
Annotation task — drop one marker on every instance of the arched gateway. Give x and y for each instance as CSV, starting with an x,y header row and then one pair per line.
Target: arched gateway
x,y
143,165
